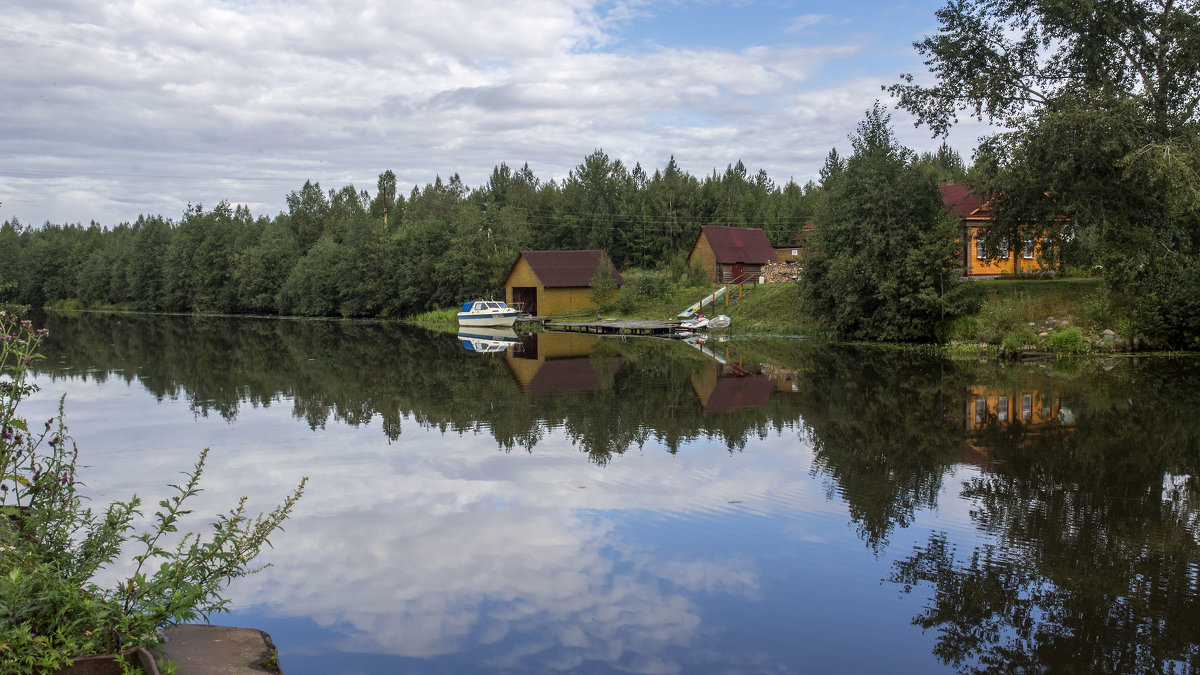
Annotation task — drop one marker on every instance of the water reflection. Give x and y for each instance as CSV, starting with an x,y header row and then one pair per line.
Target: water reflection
x,y
1040,518
484,340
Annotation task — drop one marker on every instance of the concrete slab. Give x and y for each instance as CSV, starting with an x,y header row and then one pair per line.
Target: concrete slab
x,y
200,649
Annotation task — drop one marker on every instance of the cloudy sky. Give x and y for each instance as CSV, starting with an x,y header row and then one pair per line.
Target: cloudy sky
x,y
141,106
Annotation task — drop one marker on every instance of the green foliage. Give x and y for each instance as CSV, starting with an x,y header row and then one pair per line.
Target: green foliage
x,y
52,546
884,265
696,276
602,284
650,284
1001,316
1070,340
1101,149
1018,339
345,252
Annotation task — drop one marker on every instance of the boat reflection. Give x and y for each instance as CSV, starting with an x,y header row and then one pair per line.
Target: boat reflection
x,y
484,340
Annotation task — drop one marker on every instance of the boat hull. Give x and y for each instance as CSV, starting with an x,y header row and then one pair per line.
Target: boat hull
x,y
498,319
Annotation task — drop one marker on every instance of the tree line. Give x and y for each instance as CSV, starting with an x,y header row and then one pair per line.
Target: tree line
x,y
347,252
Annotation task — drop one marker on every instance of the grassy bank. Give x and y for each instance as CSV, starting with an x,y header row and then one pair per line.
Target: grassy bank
x,y
1059,315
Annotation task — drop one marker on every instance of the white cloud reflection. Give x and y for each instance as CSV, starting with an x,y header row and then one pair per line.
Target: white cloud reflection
x,y
438,543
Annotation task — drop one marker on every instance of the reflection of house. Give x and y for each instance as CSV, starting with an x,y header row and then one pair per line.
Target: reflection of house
x,y
990,409
975,215
1031,408
731,254
558,363
554,282
731,386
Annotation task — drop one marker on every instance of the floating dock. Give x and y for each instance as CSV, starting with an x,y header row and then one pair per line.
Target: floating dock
x,y
622,327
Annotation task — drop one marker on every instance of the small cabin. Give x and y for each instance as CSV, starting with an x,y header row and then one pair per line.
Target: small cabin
x,y
731,254
545,283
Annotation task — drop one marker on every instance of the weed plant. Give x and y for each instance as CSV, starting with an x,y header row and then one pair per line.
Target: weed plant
x,y
52,547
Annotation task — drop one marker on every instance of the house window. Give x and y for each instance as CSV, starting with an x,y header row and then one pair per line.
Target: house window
x,y
1027,252
1002,409
980,410
980,249
1027,407
1004,248
795,252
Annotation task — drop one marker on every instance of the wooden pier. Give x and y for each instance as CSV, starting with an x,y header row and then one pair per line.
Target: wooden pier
x,y
622,327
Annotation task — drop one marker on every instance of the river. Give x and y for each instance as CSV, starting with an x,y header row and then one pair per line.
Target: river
x,y
581,504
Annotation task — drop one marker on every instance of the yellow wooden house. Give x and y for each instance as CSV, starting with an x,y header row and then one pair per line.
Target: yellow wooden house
x,y
544,283
1030,255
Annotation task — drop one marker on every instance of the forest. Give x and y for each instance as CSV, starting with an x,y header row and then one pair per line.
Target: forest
x,y
352,253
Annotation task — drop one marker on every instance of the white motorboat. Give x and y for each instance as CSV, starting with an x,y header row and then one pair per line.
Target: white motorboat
x,y
487,313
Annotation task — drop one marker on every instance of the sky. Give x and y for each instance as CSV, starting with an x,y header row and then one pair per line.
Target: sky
x,y
111,110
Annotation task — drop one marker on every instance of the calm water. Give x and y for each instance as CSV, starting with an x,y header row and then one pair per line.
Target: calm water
x,y
585,505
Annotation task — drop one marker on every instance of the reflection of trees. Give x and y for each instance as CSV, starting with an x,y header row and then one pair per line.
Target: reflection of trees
x,y
355,371
1094,561
882,430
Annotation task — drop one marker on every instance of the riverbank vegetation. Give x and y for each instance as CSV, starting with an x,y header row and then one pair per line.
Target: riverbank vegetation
x,y
56,547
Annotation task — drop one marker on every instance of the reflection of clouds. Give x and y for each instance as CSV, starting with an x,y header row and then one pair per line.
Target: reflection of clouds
x,y
437,543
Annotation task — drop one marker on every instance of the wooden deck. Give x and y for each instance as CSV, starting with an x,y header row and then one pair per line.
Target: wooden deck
x,y
621,327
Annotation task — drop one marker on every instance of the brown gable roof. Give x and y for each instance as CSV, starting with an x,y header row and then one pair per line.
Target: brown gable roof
x,y
962,202
738,244
565,269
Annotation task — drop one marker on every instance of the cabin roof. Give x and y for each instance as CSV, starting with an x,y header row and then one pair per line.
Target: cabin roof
x,y
565,269
738,244
964,203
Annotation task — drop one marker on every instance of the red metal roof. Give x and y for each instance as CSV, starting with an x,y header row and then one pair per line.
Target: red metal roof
x,y
962,202
564,269
739,244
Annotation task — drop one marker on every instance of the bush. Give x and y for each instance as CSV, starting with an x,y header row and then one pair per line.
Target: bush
x,y
1018,339
647,284
1098,307
677,269
1068,341
964,327
52,547
696,276
1000,316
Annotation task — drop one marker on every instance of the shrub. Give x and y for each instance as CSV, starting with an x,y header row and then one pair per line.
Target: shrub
x,y
648,284
696,276
964,327
1018,339
52,547
1068,341
677,269
1098,307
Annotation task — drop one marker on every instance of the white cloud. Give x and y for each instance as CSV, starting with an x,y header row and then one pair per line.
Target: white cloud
x,y
141,106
